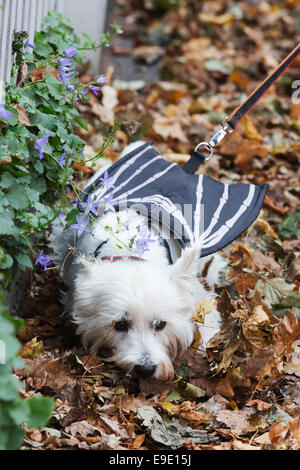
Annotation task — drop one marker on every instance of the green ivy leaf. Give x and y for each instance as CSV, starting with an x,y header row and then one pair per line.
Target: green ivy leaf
x,y
41,409
17,197
9,386
11,438
19,411
81,122
24,261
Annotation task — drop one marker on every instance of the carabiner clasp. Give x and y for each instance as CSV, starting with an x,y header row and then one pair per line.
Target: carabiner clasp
x,y
225,129
207,147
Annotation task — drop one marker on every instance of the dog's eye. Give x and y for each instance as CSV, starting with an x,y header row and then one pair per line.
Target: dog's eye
x,y
121,325
160,325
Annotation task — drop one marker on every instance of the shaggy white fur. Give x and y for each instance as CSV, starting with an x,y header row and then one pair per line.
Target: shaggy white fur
x,y
137,314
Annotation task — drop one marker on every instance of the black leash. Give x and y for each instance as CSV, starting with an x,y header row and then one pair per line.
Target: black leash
x,y
231,122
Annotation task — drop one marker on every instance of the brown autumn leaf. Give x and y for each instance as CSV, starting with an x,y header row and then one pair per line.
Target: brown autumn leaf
x,y
214,386
271,205
225,19
264,262
148,54
250,130
82,428
246,283
248,150
22,74
47,372
278,432
254,328
241,422
295,111
130,403
39,73
236,377
225,304
32,349
23,115
242,254
138,441
169,129
292,365
260,405
223,345
187,411
283,336
240,445
240,78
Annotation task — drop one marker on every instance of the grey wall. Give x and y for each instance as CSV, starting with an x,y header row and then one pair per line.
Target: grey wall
x,y
88,16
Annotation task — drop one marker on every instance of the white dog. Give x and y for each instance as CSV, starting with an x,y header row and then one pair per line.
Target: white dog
x,y
136,313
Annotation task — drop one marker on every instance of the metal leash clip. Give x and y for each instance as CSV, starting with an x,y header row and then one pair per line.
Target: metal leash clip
x,y
225,129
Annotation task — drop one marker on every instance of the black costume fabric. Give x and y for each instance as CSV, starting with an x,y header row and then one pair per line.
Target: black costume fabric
x,y
195,208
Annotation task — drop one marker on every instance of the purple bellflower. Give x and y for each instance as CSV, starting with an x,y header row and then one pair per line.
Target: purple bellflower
x,y
90,206
65,74
43,260
81,226
70,52
4,113
41,143
62,160
65,62
107,182
29,45
109,203
142,240
102,79
94,89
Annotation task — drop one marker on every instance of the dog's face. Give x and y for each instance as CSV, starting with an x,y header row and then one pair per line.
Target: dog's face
x,y
136,314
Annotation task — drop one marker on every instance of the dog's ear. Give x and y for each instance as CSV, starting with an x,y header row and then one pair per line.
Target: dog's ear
x,y
185,270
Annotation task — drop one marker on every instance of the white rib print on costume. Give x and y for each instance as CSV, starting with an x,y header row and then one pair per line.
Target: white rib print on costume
x,y
197,213
214,238
216,215
102,191
164,202
137,172
148,181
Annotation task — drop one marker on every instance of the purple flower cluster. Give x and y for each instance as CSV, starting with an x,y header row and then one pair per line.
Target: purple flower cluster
x,y
43,260
101,81
4,114
142,240
91,206
66,74
65,65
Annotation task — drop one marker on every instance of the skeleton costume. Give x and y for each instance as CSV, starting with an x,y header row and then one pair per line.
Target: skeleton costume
x,y
193,208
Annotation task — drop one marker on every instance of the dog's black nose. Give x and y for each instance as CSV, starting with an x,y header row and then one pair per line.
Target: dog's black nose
x,y
144,370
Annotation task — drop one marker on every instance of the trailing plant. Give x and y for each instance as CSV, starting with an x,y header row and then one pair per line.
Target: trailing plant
x,y
38,146
14,411
38,149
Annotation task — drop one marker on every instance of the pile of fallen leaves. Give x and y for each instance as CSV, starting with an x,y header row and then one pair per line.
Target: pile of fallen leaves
x,y
243,392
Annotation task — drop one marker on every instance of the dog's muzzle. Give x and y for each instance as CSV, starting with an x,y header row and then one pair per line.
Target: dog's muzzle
x,y
144,370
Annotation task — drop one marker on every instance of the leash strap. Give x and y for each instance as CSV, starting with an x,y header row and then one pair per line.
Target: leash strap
x,y
240,112
231,122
